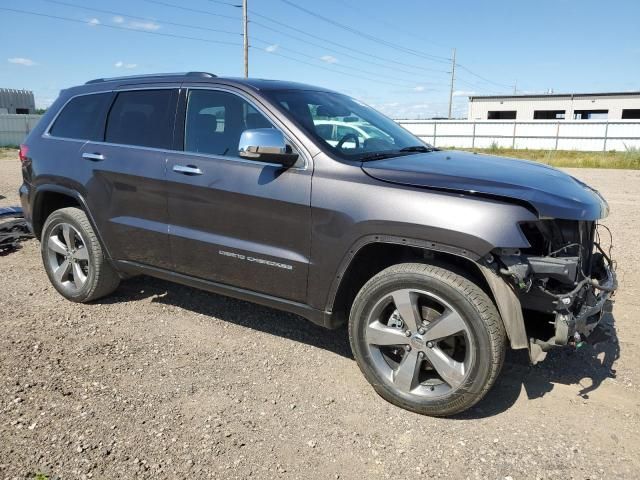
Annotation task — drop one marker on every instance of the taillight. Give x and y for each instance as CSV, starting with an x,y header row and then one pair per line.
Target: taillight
x,y
23,153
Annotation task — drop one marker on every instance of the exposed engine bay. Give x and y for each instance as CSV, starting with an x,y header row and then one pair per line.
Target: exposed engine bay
x,y
566,273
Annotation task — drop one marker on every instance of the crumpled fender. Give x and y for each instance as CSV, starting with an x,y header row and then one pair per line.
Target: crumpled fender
x,y
509,307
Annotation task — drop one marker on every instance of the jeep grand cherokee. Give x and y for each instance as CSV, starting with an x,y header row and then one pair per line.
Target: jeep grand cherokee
x,y
437,260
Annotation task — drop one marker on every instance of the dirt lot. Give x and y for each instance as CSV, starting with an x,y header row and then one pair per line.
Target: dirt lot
x,y
163,381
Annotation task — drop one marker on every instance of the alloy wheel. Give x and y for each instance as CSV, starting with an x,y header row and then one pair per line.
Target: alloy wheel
x,y
68,257
419,343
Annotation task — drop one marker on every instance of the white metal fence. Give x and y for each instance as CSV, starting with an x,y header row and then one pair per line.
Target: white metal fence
x,y
15,127
585,135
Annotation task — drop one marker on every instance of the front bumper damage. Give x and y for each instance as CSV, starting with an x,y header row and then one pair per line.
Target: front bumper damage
x,y
573,324
572,287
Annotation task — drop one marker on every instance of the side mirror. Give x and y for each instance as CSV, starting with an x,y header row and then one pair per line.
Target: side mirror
x,y
266,145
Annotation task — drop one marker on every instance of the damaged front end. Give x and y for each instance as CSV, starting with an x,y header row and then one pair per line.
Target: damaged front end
x,y
566,274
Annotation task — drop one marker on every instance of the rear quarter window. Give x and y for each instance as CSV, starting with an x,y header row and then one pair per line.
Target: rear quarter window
x,y
143,117
82,117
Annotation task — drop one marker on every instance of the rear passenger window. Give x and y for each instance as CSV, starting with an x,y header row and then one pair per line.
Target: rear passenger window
x,y
142,117
82,118
215,120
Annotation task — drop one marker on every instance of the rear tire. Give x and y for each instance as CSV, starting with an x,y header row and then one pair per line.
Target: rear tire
x,y
428,340
74,259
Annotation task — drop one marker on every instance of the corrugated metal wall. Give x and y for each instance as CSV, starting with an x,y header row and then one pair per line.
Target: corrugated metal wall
x,y
14,128
11,99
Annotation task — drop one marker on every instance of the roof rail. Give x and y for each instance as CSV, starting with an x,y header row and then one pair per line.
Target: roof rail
x,y
153,75
201,74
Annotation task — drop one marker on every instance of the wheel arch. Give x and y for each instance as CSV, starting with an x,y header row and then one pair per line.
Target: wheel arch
x,y
373,254
49,198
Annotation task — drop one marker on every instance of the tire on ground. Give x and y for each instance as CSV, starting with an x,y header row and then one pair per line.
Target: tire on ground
x,y
478,312
102,278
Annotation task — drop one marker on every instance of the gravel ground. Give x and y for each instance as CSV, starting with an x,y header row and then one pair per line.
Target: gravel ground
x,y
164,381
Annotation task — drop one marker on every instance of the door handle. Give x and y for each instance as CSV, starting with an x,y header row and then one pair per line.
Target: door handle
x,y
187,169
94,157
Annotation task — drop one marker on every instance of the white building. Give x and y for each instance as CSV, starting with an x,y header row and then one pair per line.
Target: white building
x,y
571,106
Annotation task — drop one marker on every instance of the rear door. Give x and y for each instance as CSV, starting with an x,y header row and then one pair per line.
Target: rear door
x,y
127,189
238,222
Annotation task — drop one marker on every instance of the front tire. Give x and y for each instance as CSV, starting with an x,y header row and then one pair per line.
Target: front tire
x,y
74,259
428,340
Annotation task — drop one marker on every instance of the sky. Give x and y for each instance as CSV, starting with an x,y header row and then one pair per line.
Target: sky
x,y
393,55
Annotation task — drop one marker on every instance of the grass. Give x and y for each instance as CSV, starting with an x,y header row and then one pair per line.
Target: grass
x,y
629,159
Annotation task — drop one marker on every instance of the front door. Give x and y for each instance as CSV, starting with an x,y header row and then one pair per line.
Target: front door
x,y
237,222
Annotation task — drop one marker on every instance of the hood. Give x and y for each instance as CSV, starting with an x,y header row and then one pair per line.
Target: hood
x,y
552,193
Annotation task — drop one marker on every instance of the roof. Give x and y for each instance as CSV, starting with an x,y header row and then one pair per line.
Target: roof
x,y
553,95
205,77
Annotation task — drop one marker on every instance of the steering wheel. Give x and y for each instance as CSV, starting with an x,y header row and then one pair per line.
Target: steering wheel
x,y
347,137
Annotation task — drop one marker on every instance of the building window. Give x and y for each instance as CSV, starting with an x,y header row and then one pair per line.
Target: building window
x,y
590,114
631,113
548,114
22,111
502,115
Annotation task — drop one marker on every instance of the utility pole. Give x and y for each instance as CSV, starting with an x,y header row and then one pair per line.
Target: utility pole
x,y
515,88
453,77
245,30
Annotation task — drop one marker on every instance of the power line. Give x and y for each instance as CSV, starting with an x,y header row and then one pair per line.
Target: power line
x,y
390,44
286,26
403,31
327,68
194,10
229,4
197,27
483,78
118,27
367,54
344,54
185,37
475,86
111,12
267,27
435,58
335,65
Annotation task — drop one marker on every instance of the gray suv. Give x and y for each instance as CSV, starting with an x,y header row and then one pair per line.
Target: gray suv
x,y
436,260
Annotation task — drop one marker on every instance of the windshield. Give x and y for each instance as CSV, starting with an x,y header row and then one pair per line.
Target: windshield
x,y
346,127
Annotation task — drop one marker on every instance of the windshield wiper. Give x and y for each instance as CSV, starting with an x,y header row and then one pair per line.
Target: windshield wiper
x,y
396,153
418,148
377,156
